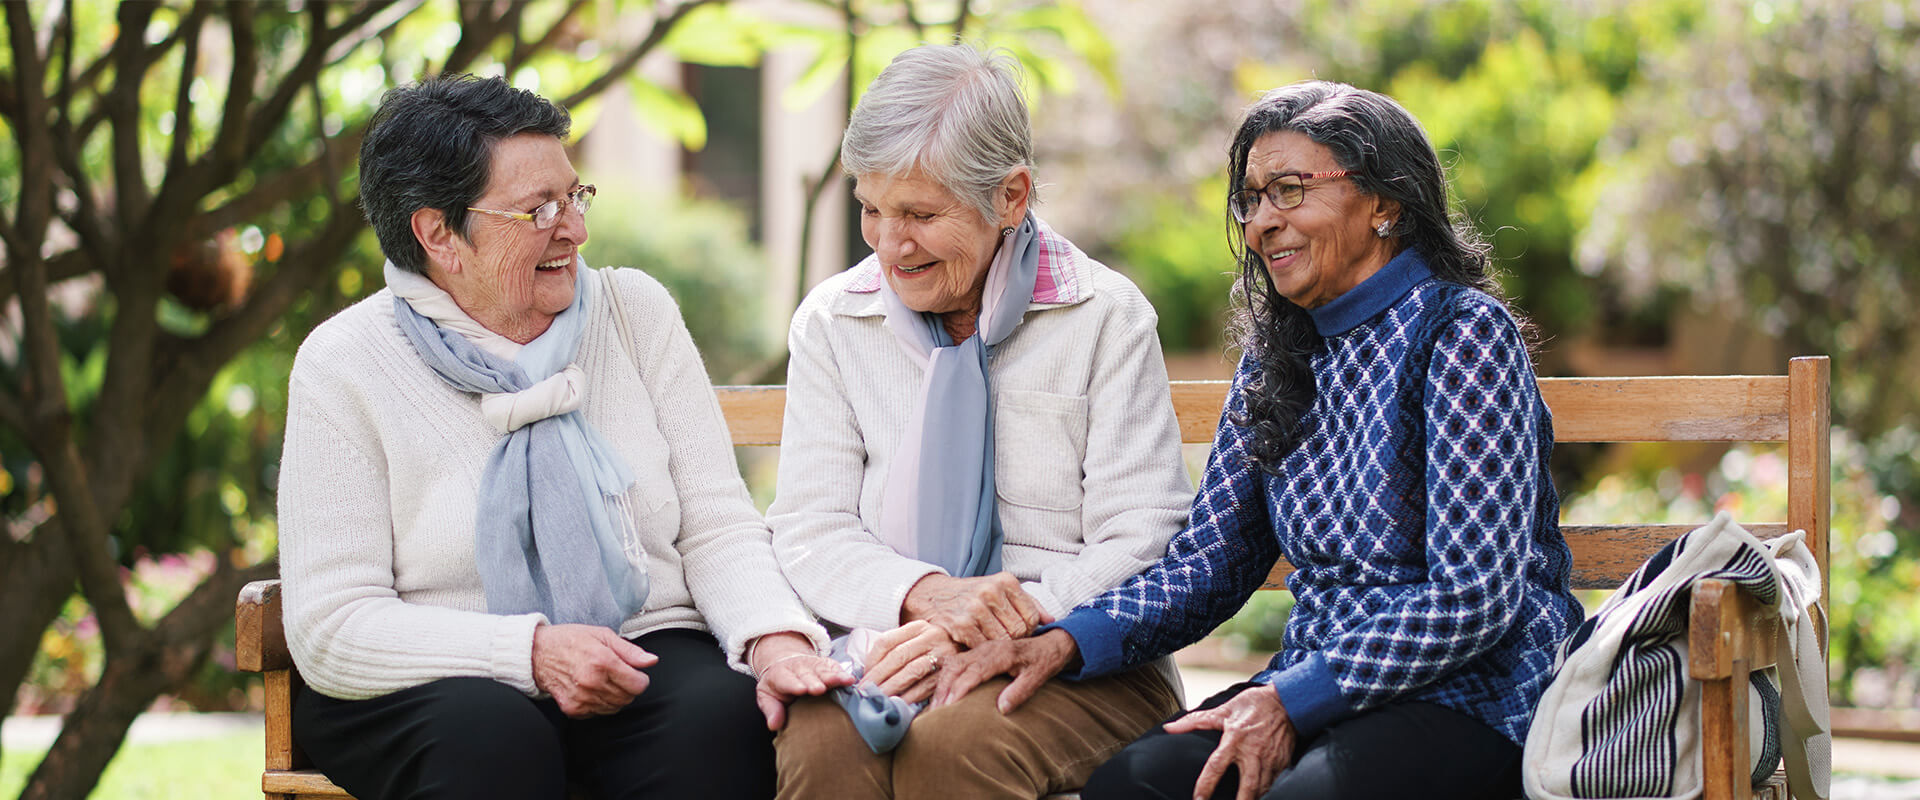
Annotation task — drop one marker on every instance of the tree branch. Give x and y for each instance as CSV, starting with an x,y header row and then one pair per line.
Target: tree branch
x,y
87,534
344,46
272,113
478,28
195,362
122,106
85,219
283,188
227,144
11,413
913,20
626,63
330,182
43,389
65,266
522,51
182,98
48,425
960,19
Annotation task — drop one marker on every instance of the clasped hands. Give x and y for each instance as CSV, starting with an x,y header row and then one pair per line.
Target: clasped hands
x,y
941,616
591,670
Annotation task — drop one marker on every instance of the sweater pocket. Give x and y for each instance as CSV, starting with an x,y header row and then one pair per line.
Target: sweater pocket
x,y
1039,444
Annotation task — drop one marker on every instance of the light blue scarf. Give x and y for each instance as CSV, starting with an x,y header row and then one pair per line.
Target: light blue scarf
x,y
939,505
554,532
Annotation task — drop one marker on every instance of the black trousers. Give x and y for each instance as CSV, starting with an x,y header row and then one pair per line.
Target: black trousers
x,y
1397,751
695,732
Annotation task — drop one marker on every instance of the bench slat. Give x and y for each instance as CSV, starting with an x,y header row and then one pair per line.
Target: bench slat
x,y
1714,408
1719,408
302,782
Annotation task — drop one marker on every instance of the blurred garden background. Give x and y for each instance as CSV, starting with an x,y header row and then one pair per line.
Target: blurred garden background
x,y
1671,186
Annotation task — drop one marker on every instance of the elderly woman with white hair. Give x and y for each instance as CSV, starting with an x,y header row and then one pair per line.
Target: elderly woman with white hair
x,y
978,437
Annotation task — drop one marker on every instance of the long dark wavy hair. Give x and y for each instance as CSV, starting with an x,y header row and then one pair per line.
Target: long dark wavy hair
x,y
1389,154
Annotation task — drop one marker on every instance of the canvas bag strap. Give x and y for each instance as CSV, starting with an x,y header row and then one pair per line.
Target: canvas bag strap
x,y
1800,663
619,317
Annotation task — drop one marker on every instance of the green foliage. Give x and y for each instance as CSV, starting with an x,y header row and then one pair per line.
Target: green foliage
x,y
1175,249
1048,39
700,251
1770,168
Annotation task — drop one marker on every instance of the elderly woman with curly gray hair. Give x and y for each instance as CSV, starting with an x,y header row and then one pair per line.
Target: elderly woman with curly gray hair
x,y
979,436
1385,434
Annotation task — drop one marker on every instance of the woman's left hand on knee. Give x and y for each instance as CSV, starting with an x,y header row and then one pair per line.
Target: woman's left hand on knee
x,y
1256,736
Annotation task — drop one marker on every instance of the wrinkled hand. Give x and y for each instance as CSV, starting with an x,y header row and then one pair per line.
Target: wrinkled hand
x,y
1256,736
789,669
906,661
1029,661
589,670
974,610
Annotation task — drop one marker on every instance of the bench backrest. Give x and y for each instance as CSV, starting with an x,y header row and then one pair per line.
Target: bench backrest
x,y
1789,408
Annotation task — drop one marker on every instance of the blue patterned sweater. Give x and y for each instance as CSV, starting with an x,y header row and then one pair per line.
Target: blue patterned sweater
x,y
1417,511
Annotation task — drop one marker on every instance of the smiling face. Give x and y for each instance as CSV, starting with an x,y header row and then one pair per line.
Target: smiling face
x,y
511,276
933,248
1322,248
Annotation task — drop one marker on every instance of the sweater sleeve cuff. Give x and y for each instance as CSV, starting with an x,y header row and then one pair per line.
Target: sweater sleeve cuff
x,y
512,652
883,597
1311,695
1048,601
1098,638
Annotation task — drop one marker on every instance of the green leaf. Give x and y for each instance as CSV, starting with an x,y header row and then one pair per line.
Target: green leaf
x,y
828,67
669,112
718,36
1070,23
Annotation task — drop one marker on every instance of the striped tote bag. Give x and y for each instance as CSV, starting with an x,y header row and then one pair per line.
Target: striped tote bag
x,y
1621,718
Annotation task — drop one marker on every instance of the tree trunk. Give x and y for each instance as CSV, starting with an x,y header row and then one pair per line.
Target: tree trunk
x,y
158,659
93,733
36,577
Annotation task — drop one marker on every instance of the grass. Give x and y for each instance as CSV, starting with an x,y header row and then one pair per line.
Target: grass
x,y
224,766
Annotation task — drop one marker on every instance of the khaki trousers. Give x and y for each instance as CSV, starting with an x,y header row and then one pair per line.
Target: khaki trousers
x,y
969,749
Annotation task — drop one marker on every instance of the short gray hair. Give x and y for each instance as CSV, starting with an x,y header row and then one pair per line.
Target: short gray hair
x,y
951,111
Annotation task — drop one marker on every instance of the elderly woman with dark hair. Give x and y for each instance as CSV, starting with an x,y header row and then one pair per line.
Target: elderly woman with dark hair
x,y
517,553
979,436
1385,434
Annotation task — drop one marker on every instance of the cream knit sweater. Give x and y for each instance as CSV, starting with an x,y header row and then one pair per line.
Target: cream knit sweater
x,y
1086,448
377,503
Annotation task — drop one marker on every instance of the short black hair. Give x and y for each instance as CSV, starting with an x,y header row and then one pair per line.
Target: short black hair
x,y
430,145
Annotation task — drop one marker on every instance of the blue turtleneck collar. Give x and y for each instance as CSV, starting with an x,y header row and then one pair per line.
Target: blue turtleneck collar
x,y
1375,294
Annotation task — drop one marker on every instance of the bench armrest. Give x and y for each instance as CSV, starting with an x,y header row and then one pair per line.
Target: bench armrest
x,y
260,639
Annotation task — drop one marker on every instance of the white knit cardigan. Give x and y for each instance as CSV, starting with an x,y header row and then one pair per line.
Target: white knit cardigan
x,y
1086,447
377,503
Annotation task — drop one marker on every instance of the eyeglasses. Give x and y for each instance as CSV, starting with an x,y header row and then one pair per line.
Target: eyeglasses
x,y
1284,192
548,213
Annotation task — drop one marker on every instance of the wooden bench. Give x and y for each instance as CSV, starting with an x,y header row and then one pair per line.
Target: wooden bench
x,y
1791,408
